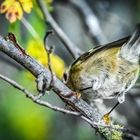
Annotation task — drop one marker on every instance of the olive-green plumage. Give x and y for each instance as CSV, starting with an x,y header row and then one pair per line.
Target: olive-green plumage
x,y
108,71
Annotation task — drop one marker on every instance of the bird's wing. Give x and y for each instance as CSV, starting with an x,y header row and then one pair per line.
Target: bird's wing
x,y
99,48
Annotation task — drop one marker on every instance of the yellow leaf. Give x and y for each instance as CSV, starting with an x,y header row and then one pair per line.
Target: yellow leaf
x,y
27,5
6,5
14,9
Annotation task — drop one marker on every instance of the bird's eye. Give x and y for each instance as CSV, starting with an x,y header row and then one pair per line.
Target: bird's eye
x,y
65,77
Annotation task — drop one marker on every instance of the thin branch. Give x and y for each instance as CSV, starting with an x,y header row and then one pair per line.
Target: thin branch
x,y
71,47
30,28
36,98
88,113
90,20
49,50
59,87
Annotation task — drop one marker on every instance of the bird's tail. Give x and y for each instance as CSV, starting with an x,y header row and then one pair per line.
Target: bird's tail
x,y
130,51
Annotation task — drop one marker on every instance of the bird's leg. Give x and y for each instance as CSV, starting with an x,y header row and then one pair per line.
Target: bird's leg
x,y
121,99
112,109
106,117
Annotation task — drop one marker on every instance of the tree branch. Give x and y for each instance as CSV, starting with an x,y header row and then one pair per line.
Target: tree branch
x,y
70,46
60,89
90,20
36,99
85,111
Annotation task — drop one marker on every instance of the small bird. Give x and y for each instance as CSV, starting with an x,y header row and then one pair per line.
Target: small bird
x,y
107,71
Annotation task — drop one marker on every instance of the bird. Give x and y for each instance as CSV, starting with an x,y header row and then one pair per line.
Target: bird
x,y
106,71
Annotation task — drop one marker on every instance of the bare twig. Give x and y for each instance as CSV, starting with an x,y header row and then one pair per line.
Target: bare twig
x,y
71,47
88,113
55,108
49,50
90,20
30,28
35,98
36,69
45,103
